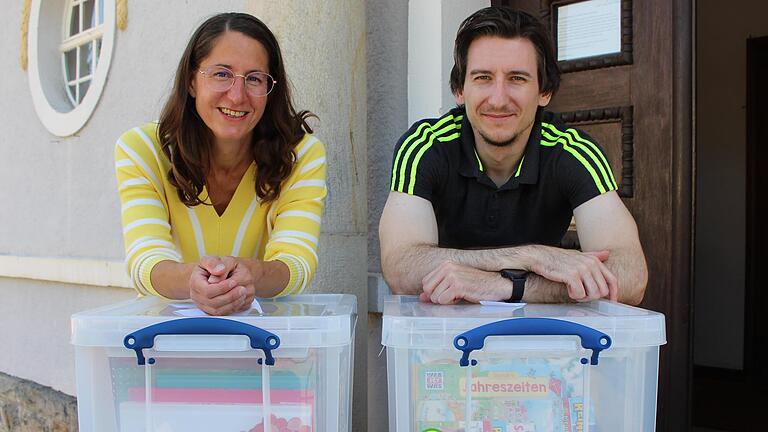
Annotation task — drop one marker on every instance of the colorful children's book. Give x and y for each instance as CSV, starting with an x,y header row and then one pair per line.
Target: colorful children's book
x,y
505,395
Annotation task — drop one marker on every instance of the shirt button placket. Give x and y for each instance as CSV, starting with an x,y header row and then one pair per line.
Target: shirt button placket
x,y
492,212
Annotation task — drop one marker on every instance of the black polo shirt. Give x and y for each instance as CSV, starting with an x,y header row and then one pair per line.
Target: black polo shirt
x,y
561,168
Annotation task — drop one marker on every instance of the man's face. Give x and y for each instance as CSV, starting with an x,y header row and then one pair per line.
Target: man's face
x,y
501,89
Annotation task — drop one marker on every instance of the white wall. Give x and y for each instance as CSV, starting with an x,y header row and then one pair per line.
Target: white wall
x,y
722,33
432,26
59,195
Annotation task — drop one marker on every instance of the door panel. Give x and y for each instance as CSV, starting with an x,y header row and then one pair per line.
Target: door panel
x,y
578,90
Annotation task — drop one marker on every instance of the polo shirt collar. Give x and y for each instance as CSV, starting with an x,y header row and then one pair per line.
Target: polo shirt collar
x,y
528,169
471,165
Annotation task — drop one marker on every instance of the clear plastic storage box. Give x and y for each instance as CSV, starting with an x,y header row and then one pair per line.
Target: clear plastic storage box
x,y
150,365
539,368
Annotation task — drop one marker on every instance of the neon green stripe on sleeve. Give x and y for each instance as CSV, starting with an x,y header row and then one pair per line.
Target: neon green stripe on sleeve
x,y
606,176
396,162
411,147
597,150
583,161
417,159
450,137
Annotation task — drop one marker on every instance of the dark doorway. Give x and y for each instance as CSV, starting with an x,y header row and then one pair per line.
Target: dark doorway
x,y
732,399
757,209
757,204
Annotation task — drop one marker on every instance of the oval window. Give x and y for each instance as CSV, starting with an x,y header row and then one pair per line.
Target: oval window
x,y
70,49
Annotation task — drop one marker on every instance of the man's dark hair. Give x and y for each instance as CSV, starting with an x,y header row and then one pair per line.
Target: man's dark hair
x,y
506,23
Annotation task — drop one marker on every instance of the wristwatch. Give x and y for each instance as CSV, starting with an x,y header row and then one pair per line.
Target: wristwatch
x,y
518,278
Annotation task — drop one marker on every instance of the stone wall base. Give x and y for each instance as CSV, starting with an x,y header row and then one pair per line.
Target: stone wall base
x,y
26,406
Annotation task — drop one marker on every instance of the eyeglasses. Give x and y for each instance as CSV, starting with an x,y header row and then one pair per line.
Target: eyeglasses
x,y
221,79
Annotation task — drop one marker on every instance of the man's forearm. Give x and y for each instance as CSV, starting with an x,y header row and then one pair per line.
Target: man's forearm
x,y
405,270
628,265
631,270
539,289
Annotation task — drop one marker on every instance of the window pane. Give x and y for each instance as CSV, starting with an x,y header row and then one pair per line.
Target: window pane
x,y
70,62
97,43
84,89
88,16
71,90
101,12
86,59
74,23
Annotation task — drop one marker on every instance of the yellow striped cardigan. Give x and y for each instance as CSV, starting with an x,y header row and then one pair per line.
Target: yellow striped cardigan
x,y
157,226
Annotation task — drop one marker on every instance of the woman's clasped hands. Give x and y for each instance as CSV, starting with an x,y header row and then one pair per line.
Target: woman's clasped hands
x,y
223,285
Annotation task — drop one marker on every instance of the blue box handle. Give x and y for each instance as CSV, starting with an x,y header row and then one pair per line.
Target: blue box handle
x,y
145,338
474,339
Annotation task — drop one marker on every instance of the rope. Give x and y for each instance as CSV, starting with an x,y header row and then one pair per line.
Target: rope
x,y
24,30
121,11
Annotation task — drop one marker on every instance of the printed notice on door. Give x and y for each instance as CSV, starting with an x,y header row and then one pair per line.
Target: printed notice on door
x,y
588,29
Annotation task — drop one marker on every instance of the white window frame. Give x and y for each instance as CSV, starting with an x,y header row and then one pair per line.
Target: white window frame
x,y
81,38
46,73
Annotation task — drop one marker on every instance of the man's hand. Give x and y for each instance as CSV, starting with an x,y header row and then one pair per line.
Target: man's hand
x,y
451,283
584,273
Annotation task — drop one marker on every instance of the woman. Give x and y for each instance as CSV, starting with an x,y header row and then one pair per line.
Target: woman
x,y
221,200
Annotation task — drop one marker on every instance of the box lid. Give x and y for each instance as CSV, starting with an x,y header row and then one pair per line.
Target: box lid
x,y
409,323
319,320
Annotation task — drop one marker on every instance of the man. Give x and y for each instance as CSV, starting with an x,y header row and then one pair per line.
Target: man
x,y
482,196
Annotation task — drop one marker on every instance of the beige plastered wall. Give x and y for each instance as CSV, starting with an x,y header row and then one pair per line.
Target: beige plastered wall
x,y
58,195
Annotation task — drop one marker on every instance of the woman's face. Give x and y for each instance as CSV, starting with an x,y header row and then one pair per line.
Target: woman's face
x,y
232,114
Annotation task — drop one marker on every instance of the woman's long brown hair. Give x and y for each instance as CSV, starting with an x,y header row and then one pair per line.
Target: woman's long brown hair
x,y
186,140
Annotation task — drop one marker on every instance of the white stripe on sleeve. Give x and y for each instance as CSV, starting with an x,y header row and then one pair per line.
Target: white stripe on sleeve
x,y
295,234
142,201
308,145
293,241
147,241
145,221
135,156
308,183
300,213
123,163
147,141
315,163
133,182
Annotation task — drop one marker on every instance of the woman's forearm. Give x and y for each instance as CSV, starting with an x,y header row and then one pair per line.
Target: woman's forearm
x,y
171,279
269,277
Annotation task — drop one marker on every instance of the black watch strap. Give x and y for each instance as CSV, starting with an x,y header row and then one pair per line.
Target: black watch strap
x,y
518,278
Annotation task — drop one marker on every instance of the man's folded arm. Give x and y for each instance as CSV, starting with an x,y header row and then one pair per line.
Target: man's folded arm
x,y
410,251
606,230
604,223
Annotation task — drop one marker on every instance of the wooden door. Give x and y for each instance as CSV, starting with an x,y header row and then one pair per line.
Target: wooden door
x,y
638,106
